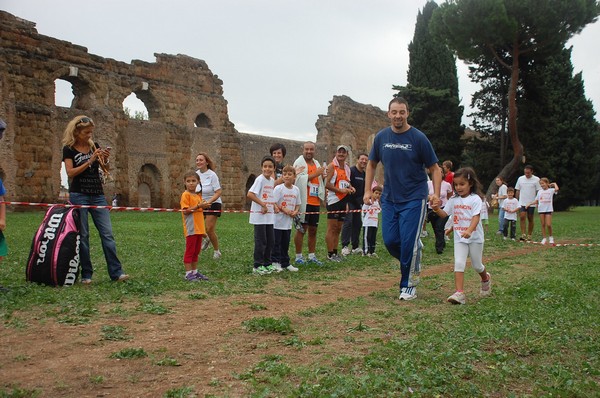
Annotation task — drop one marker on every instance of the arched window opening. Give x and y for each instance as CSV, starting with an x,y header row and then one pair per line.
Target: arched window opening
x,y
135,108
63,93
202,121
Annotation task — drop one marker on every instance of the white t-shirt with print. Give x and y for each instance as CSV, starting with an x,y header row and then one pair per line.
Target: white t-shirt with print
x,y
461,211
370,214
527,188
510,204
544,198
263,189
288,198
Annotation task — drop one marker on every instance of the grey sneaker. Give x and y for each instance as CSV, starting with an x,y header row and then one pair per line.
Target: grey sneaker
x,y
334,258
486,287
457,298
346,251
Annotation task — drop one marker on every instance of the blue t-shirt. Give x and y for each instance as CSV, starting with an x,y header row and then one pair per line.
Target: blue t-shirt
x,y
404,157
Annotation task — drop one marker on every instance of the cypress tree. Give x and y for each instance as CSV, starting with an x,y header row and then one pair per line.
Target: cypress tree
x,y
432,90
561,134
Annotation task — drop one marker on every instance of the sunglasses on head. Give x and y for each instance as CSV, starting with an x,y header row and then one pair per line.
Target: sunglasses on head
x,y
84,120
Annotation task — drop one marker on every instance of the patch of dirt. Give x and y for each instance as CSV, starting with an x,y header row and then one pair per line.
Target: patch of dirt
x,y
206,337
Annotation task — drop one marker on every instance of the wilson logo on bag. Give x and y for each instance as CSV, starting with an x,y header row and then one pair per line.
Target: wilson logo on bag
x,y
54,256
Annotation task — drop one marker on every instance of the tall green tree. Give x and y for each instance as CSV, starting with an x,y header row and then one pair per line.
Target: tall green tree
x,y
513,33
432,89
559,128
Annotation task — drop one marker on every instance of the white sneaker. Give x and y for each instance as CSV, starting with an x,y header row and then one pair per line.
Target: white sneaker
x,y
407,294
543,241
205,243
424,234
217,255
277,267
551,240
291,268
358,250
457,298
346,251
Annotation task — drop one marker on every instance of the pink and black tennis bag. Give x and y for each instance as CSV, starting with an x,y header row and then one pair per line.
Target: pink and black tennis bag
x,y
54,256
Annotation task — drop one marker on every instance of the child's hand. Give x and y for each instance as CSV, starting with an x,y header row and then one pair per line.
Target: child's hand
x,y
448,231
466,235
264,209
2,225
294,213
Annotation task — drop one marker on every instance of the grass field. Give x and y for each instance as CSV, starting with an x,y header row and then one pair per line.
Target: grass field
x,y
537,335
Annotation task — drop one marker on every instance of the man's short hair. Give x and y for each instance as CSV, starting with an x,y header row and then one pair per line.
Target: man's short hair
x,y
398,100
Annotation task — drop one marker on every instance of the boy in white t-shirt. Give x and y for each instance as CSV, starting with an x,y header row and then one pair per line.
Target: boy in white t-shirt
x,y
370,221
511,208
287,201
543,200
262,216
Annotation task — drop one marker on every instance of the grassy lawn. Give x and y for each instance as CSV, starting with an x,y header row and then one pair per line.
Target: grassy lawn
x,y
537,335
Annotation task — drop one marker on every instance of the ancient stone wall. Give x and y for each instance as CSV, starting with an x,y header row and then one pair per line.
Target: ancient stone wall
x,y
187,114
352,124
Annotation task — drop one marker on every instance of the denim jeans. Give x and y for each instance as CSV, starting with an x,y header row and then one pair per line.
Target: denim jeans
x,y
501,213
101,218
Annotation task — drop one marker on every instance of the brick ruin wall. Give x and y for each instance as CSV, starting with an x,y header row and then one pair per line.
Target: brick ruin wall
x,y
187,114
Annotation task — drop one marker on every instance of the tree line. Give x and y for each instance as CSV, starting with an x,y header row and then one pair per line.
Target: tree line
x,y
530,108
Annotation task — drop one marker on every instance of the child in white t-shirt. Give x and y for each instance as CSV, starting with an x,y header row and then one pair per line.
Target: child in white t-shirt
x,y
511,208
484,215
370,221
543,200
287,200
262,216
464,209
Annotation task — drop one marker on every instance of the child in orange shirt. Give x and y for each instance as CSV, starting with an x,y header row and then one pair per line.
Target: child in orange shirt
x,y
193,227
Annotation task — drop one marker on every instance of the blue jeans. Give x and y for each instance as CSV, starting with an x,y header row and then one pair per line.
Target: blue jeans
x,y
500,219
102,222
401,225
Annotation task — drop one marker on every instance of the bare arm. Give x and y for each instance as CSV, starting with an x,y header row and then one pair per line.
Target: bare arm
x,y
369,176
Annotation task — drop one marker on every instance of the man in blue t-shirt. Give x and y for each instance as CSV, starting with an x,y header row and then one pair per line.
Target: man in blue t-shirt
x,y
405,153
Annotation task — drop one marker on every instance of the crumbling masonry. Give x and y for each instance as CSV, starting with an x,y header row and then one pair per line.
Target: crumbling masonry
x,y
187,114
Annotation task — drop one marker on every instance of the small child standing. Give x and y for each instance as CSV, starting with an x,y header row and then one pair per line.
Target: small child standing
x,y
511,209
464,209
370,221
193,226
544,199
287,200
262,216
485,222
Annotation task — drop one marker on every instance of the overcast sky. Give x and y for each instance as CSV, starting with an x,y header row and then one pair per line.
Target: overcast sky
x,y
281,61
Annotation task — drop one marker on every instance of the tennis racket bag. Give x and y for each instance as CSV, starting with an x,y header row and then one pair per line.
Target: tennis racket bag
x,y
54,256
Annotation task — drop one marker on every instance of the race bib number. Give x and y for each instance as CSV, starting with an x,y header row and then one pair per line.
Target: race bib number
x,y
313,189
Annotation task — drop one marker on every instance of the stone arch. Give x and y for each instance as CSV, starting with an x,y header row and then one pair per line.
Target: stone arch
x,y
135,107
149,192
202,120
150,102
83,90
